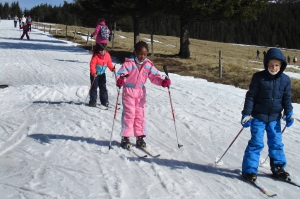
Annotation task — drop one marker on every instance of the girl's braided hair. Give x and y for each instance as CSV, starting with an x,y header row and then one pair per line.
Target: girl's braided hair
x,y
139,45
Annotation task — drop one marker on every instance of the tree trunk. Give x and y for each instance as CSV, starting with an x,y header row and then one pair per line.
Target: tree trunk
x,y
184,40
136,29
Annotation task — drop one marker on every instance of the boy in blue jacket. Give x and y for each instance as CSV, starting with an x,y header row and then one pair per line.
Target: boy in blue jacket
x,y
269,93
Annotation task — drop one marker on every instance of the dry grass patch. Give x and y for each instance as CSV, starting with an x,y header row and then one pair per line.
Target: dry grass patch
x,y
238,61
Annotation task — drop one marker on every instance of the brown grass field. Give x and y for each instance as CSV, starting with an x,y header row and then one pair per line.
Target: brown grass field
x,y
239,62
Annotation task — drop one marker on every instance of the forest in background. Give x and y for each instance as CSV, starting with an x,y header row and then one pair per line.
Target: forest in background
x,y
277,25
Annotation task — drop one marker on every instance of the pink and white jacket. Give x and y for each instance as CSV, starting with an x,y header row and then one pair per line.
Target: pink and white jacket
x,y
137,78
99,38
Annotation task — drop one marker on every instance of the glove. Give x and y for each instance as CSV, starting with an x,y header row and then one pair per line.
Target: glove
x,y
289,119
91,35
246,121
120,82
166,83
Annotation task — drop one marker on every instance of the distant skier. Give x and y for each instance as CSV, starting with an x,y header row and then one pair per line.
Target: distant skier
x,y
102,33
269,93
295,60
100,61
133,75
16,18
257,54
23,20
264,53
288,59
29,22
25,31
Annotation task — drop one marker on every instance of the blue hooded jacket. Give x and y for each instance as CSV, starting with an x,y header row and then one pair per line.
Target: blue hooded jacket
x,y
269,94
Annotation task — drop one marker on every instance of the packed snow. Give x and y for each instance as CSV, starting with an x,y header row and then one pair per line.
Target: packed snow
x,y
54,146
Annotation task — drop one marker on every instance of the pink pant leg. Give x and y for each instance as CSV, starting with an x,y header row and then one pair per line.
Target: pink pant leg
x,y
133,117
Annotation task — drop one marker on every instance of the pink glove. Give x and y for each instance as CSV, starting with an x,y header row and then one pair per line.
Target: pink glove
x,y
120,82
166,83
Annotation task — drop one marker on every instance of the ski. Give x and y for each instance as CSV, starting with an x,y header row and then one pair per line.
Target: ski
x,y
131,150
146,151
257,186
279,179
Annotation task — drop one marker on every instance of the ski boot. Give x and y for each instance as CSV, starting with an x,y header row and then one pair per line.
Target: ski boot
x,y
125,143
250,177
140,143
280,173
92,104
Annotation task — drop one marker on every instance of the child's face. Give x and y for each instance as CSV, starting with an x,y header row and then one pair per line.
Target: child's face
x,y
141,54
102,52
274,65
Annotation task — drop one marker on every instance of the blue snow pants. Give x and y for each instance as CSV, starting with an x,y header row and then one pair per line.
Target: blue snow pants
x,y
256,144
100,82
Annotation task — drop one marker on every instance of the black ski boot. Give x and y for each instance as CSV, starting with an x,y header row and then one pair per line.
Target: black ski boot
x,y
92,104
280,173
140,143
125,143
250,177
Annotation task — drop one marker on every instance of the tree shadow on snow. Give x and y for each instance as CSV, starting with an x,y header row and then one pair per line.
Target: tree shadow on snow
x,y
177,164
46,139
37,40
71,61
58,103
28,45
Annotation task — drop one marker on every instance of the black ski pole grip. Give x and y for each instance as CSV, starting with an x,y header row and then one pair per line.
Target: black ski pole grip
x,y
166,70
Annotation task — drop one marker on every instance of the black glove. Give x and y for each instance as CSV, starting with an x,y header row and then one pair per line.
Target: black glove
x,y
91,35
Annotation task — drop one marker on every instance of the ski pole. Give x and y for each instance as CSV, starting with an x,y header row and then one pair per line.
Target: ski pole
x,y
268,154
116,108
167,76
219,159
90,89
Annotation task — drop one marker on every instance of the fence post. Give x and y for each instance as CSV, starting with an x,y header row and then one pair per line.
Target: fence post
x,y
87,38
152,48
113,36
74,35
220,64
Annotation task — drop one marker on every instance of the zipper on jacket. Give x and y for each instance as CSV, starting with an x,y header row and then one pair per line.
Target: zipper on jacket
x,y
273,91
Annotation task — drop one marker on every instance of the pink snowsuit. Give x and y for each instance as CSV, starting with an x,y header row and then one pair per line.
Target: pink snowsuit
x,y
96,32
134,95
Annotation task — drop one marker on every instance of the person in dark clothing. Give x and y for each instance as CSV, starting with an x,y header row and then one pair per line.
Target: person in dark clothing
x,y
269,93
25,31
257,54
288,59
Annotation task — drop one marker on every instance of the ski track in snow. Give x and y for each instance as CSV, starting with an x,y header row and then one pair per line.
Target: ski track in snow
x,y
54,146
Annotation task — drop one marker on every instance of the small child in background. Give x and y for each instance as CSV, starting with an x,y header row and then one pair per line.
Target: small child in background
x,y
100,61
25,31
133,75
269,93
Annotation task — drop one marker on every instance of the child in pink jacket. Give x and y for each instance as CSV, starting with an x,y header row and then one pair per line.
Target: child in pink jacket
x,y
132,76
101,39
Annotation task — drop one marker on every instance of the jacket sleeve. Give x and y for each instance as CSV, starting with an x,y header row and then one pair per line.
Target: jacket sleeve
x,y
287,98
123,70
96,30
154,76
251,96
109,63
93,65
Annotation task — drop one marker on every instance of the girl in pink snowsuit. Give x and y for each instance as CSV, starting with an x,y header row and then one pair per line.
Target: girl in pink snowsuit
x,y
132,76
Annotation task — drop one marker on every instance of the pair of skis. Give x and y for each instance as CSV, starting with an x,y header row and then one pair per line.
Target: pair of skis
x,y
264,191
147,152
